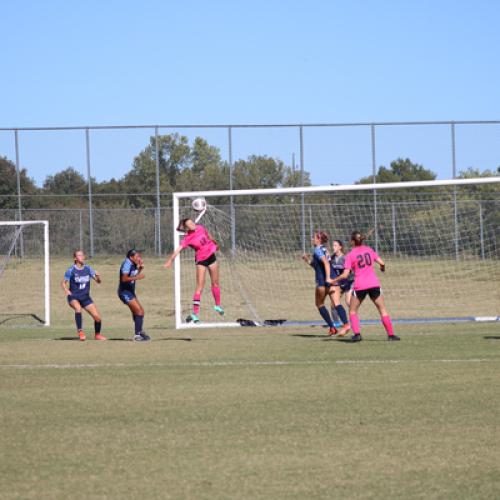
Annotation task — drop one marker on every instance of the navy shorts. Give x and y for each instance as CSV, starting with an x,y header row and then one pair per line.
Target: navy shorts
x,y
207,262
126,296
83,301
345,285
322,283
374,293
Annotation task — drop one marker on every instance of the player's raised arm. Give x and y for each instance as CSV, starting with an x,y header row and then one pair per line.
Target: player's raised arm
x,y
172,257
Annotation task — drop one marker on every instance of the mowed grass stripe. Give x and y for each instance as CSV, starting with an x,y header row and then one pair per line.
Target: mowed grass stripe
x,y
210,364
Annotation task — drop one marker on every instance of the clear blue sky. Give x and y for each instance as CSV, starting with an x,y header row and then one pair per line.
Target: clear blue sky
x,y
128,62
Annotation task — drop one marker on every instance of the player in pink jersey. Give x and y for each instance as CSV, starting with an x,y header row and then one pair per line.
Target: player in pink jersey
x,y
361,260
204,246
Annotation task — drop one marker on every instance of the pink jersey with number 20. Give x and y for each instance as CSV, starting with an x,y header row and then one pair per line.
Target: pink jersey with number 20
x,y
200,242
361,260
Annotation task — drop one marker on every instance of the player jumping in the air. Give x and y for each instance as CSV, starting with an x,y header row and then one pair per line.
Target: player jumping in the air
x,y
320,261
361,260
204,245
130,272
76,286
343,287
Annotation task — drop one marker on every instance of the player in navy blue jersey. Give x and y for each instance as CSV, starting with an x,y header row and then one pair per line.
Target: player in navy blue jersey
x,y
320,262
131,271
76,286
342,287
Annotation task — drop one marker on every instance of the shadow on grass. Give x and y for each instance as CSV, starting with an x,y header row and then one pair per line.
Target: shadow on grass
x,y
492,337
308,336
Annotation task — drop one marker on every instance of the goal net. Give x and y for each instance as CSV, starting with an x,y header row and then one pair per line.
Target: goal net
x,y
24,273
439,240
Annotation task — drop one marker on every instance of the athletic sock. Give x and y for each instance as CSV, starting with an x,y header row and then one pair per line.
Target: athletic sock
x,y
335,315
138,320
196,303
216,294
326,315
386,321
341,312
97,327
354,322
78,321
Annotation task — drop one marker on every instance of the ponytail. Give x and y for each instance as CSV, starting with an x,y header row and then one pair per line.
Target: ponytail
x,y
323,237
358,238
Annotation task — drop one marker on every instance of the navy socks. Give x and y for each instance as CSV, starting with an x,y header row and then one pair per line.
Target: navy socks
x,y
138,320
342,314
325,315
78,321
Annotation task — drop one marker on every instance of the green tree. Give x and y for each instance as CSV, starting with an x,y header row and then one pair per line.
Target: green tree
x,y
68,181
140,181
258,172
400,170
8,186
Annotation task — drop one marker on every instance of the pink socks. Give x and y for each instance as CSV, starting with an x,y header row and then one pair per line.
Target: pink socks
x,y
353,318
386,321
196,303
216,294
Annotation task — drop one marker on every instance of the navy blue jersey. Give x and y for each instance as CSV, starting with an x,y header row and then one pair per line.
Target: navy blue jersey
x,y
337,264
318,265
79,280
129,269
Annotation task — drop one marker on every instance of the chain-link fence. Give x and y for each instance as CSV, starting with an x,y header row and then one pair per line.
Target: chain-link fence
x,y
333,153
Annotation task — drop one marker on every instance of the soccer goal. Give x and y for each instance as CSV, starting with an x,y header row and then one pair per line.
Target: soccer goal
x,y
24,273
439,240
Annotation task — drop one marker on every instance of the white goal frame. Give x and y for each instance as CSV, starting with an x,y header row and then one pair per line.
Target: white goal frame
x,y
46,255
284,191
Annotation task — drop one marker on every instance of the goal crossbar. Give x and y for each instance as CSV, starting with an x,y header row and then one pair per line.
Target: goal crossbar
x,y
343,187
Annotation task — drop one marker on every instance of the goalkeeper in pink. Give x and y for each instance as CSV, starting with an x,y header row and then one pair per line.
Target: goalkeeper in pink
x,y
204,245
361,260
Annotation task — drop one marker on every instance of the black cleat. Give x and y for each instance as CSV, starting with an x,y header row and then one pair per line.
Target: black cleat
x,y
356,337
393,338
141,337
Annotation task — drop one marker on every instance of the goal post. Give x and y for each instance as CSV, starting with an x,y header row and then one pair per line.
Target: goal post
x,y
439,238
16,248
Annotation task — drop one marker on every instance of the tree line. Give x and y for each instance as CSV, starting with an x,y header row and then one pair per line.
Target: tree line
x,y
184,167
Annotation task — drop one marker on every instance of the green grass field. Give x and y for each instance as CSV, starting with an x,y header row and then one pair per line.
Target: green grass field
x,y
250,413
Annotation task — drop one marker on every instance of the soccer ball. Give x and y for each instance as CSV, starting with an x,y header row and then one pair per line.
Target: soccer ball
x,y
199,204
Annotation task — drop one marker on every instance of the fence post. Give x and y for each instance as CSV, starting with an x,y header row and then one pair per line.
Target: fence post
x,y
81,229
19,201
374,176
158,202
232,213
89,181
302,198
